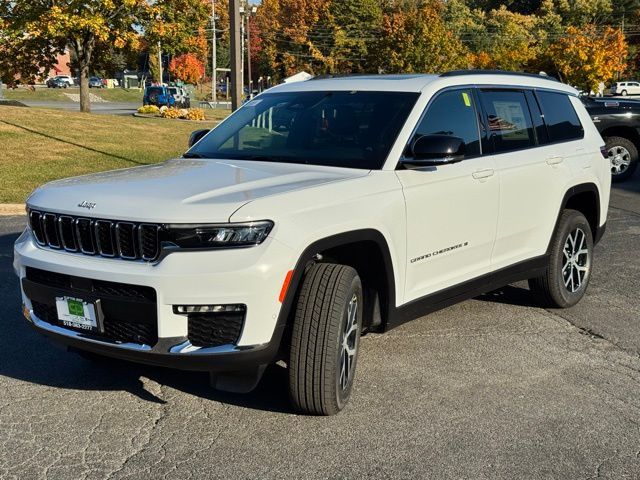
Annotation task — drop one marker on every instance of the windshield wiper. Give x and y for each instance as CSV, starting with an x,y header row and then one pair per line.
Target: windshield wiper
x,y
191,155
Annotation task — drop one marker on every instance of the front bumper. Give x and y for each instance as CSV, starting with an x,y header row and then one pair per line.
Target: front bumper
x,y
173,352
249,276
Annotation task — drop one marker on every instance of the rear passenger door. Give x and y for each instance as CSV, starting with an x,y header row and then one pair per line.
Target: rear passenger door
x,y
533,174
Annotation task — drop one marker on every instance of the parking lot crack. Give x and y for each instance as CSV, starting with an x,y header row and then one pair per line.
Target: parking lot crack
x,y
163,413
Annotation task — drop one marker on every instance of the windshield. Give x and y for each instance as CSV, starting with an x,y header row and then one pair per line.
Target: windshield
x,y
343,129
156,90
173,91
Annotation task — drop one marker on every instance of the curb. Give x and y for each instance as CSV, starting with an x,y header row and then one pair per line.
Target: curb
x,y
12,209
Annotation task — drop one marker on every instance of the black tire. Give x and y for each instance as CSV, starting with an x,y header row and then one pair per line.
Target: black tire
x,y
551,287
316,355
617,146
623,93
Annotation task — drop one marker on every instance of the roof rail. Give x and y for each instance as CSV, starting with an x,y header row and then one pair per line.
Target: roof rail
x,y
456,73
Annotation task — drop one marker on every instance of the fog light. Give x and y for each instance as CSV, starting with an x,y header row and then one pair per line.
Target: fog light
x,y
185,309
25,312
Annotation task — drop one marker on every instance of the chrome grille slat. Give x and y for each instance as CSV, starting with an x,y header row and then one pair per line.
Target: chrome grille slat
x,y
125,240
84,233
51,234
35,222
148,238
104,238
67,233
107,238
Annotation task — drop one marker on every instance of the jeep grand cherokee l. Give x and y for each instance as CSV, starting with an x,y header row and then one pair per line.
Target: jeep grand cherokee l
x,y
318,210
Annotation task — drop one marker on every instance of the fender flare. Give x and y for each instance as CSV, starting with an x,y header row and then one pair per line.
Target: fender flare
x,y
571,192
333,241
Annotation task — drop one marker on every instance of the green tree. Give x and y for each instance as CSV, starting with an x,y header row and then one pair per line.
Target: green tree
x,y
414,38
79,24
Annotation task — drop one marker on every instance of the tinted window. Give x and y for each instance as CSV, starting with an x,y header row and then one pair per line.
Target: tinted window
x,y
509,120
560,116
453,113
156,90
333,128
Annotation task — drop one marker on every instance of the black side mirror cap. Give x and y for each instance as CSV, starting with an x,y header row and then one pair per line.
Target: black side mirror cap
x,y
197,135
434,150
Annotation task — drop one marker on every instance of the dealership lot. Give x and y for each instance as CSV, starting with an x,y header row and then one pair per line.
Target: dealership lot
x,y
492,387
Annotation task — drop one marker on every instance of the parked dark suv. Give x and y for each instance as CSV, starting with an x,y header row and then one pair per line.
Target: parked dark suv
x,y
618,121
157,95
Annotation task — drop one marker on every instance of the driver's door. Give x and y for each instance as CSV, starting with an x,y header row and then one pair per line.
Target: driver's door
x,y
452,209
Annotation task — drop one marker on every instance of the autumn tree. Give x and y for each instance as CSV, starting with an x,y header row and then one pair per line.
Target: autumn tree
x,y
78,24
23,57
187,68
589,55
414,38
505,40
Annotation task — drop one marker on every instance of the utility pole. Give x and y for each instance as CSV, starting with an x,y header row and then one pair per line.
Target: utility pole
x,y
236,60
214,60
242,15
160,62
252,11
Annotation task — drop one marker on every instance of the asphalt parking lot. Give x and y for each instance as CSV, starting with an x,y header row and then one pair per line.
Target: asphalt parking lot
x,y
494,387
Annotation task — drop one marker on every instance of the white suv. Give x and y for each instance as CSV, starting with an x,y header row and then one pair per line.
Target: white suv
x,y
319,210
625,88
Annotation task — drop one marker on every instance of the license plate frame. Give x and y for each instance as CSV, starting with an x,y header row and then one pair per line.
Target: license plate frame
x,y
79,314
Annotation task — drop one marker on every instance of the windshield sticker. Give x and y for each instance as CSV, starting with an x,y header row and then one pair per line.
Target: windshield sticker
x,y
254,103
467,100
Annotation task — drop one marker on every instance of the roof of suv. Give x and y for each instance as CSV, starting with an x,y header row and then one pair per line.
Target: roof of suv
x,y
417,82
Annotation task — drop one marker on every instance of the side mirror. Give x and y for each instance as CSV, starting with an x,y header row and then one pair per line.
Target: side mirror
x,y
196,136
435,150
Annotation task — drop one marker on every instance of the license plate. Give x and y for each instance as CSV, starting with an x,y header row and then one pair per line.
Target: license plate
x,y
76,313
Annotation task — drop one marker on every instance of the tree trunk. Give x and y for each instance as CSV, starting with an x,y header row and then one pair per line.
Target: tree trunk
x,y
85,102
84,50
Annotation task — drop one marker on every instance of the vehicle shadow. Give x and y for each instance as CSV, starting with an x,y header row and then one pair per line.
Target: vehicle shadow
x,y
517,295
27,356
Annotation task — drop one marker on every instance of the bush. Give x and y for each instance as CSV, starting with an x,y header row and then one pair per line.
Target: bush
x,y
149,110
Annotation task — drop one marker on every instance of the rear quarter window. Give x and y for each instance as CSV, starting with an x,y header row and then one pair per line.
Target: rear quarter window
x,y
560,117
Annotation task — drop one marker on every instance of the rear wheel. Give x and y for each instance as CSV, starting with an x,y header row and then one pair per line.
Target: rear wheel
x,y
623,156
325,339
567,276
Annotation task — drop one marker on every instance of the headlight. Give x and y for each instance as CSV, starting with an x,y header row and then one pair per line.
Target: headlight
x,y
220,235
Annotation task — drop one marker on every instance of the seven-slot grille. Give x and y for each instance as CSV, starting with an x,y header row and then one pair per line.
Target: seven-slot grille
x,y
107,238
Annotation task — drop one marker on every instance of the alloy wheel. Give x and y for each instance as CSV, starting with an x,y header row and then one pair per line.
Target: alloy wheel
x,y
576,260
349,344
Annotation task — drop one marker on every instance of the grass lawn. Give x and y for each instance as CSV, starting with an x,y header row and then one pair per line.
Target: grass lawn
x,y
40,145
58,94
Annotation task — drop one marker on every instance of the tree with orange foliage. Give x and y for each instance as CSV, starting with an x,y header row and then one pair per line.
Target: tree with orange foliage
x,y
414,38
589,55
187,68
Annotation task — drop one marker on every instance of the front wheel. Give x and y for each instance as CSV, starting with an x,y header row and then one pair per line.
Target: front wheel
x,y
623,93
623,156
325,339
569,270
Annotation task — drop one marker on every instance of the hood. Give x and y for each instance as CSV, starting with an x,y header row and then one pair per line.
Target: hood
x,y
181,190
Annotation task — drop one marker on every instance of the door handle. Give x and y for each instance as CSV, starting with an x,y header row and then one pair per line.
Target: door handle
x,y
554,160
478,174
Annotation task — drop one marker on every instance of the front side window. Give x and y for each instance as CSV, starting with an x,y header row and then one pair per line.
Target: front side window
x,y
560,117
453,113
508,119
353,129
